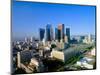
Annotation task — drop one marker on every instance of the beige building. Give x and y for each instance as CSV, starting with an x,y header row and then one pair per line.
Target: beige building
x,y
58,55
66,39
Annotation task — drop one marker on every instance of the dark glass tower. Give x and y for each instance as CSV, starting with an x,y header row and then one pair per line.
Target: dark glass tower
x,y
56,33
59,35
68,33
49,32
61,31
42,33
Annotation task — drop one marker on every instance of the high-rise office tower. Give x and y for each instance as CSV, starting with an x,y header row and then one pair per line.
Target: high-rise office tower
x,y
52,35
41,33
31,39
61,31
49,33
68,33
56,33
59,35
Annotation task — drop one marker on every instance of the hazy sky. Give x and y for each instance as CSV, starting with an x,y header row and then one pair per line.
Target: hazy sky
x,y
28,17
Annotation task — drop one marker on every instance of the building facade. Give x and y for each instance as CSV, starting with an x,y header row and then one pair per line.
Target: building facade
x,y
68,34
42,33
61,32
49,33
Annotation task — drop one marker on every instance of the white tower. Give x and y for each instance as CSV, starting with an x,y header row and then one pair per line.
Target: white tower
x,y
31,40
89,38
18,59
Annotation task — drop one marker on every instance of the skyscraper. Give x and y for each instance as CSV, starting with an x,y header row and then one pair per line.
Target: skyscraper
x,y
61,31
42,33
59,35
31,39
49,32
68,33
52,35
56,33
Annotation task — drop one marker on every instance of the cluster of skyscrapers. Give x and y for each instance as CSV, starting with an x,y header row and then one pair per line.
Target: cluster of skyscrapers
x,y
33,55
59,35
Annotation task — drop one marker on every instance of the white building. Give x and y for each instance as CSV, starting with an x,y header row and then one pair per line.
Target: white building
x,y
93,52
84,62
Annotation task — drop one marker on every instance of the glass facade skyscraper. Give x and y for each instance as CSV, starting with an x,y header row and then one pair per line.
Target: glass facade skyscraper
x,y
59,35
42,33
49,32
68,33
56,33
61,31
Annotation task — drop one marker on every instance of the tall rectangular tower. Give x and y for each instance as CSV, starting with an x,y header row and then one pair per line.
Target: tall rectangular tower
x,y
68,34
49,33
61,30
41,33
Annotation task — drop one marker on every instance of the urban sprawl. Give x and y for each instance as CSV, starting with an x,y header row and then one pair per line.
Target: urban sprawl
x,y
54,52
